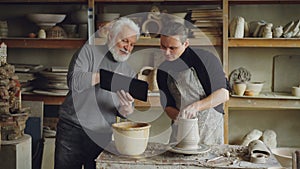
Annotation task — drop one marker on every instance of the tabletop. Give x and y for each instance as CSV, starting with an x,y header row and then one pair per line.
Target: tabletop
x,y
160,156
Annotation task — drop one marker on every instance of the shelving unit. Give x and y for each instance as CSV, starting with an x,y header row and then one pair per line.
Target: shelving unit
x,y
43,43
264,42
259,103
256,42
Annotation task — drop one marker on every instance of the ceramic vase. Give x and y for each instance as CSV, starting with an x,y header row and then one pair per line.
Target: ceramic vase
x,y
188,133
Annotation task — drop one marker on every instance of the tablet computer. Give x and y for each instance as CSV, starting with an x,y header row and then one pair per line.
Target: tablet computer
x,y
113,82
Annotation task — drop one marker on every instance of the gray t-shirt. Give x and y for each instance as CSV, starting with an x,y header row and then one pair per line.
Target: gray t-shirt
x,y
87,106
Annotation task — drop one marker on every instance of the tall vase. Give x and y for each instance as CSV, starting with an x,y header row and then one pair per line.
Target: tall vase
x,y
188,133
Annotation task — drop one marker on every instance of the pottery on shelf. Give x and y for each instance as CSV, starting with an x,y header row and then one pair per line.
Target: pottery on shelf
x,y
239,88
255,87
296,91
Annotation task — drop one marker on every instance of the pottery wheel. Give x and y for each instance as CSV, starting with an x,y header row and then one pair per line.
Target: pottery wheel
x,y
202,148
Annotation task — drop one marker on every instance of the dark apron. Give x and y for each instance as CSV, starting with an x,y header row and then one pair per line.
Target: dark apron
x,y
186,89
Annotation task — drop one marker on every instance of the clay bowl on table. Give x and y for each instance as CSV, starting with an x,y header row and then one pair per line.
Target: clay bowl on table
x,y
131,138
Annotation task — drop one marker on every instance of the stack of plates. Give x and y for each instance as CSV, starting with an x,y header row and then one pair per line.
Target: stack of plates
x,y
56,83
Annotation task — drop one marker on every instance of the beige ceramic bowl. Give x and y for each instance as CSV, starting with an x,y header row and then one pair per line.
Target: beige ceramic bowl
x,y
131,138
255,87
46,18
284,155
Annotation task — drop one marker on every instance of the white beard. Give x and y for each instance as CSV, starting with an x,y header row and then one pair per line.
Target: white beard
x,y
116,56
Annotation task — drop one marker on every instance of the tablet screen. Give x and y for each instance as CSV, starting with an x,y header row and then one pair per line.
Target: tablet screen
x,y
113,82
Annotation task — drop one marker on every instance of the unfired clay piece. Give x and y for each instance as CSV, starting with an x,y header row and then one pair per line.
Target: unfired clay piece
x,y
252,135
278,31
246,29
237,27
258,28
287,27
259,152
267,30
295,28
269,138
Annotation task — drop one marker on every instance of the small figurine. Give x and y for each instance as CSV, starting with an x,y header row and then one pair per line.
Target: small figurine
x,y
42,34
3,53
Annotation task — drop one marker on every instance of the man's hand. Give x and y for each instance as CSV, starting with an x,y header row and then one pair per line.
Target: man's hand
x,y
126,101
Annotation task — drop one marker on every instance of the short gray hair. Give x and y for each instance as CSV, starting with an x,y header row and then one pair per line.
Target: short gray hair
x,y
175,29
119,24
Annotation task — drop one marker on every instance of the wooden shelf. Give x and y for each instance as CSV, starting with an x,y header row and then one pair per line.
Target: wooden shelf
x,y
146,42
264,42
176,1
263,1
153,101
48,100
262,103
110,1
43,1
43,43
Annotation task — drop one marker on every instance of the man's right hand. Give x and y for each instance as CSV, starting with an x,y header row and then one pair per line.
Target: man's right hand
x,y
126,103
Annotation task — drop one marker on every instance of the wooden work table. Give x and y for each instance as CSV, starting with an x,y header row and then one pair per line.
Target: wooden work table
x,y
239,158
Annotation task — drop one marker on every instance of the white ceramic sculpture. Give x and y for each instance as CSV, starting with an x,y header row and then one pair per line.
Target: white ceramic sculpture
x,y
269,138
258,29
267,31
237,27
278,31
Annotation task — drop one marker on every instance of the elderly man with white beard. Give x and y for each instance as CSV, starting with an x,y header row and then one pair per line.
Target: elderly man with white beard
x,y
85,117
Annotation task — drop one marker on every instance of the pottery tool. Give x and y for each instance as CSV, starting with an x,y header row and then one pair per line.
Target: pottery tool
x,y
220,161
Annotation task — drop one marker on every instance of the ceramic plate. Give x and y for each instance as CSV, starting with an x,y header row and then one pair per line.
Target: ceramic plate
x,y
202,148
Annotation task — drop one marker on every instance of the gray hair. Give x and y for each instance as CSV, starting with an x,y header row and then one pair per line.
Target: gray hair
x,y
175,29
119,24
